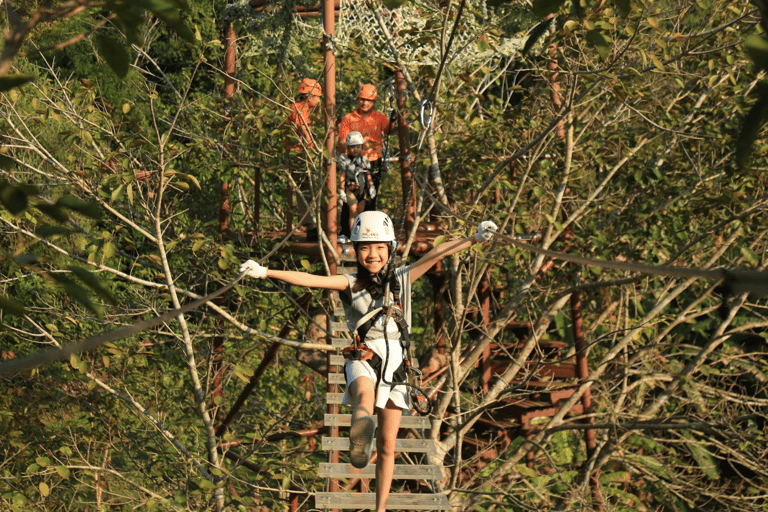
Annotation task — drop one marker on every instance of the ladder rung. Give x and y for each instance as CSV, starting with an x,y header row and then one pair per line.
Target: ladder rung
x,y
336,378
405,501
401,445
333,398
339,311
402,471
339,327
341,342
345,420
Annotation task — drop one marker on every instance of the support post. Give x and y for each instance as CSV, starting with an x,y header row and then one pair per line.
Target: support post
x,y
582,372
330,222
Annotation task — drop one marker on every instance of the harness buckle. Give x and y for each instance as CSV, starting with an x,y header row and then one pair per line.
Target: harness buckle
x,y
359,352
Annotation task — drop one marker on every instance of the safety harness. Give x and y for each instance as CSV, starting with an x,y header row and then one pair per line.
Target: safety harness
x,y
359,351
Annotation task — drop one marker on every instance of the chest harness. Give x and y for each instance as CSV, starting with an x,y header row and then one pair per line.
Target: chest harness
x,y
359,351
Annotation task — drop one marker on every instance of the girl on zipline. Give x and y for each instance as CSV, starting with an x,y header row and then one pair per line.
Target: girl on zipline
x,y
376,368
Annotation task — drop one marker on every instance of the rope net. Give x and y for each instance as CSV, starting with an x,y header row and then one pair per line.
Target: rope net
x,y
416,29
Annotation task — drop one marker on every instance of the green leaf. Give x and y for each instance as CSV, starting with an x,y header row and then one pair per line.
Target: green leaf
x,y
542,8
535,33
11,81
48,231
750,255
394,4
117,193
44,489
63,472
599,42
657,63
43,462
757,49
7,163
114,53
88,208
109,249
93,283
752,123
207,484
53,211
306,265
175,23
13,198
624,6
9,306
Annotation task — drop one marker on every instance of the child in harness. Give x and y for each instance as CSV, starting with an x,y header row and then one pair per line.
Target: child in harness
x,y
377,304
355,177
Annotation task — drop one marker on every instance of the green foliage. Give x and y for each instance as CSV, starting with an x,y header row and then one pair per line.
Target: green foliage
x,y
661,111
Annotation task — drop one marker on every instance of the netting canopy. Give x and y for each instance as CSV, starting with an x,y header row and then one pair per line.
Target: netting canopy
x,y
413,30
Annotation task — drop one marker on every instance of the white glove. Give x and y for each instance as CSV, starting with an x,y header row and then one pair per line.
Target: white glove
x,y
485,231
342,196
253,269
372,191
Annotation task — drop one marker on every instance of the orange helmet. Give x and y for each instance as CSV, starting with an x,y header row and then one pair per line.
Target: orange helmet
x,y
309,86
368,92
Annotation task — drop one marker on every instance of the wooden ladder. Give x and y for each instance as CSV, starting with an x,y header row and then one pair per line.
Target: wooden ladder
x,y
338,449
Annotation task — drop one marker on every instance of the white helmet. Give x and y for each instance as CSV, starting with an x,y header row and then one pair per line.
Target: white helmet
x,y
374,227
354,138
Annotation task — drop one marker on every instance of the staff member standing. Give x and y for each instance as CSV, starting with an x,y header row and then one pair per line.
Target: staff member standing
x,y
300,121
372,125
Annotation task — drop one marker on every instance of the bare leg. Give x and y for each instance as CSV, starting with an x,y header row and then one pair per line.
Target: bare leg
x,y
355,210
361,392
389,424
363,429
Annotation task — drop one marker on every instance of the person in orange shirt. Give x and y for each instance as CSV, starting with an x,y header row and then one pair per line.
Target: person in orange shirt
x,y
372,125
306,102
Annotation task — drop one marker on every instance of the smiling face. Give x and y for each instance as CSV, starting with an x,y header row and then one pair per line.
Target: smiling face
x,y
355,151
373,255
364,105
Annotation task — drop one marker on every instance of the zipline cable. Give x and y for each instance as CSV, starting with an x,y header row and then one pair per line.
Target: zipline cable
x,y
30,361
737,281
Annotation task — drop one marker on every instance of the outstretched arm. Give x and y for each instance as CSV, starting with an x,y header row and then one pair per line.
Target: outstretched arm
x,y
338,283
484,233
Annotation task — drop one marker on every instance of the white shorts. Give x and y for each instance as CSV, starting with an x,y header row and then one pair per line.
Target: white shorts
x,y
398,394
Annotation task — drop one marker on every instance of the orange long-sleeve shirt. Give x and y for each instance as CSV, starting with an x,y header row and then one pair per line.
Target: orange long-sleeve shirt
x,y
299,118
371,127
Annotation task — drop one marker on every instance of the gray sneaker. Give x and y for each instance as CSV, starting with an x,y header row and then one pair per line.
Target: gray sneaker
x,y
361,439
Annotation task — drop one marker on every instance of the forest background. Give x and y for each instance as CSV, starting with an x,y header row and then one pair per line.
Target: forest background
x,y
621,131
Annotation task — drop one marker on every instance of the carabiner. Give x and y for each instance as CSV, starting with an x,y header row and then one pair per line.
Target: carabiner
x,y
425,108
